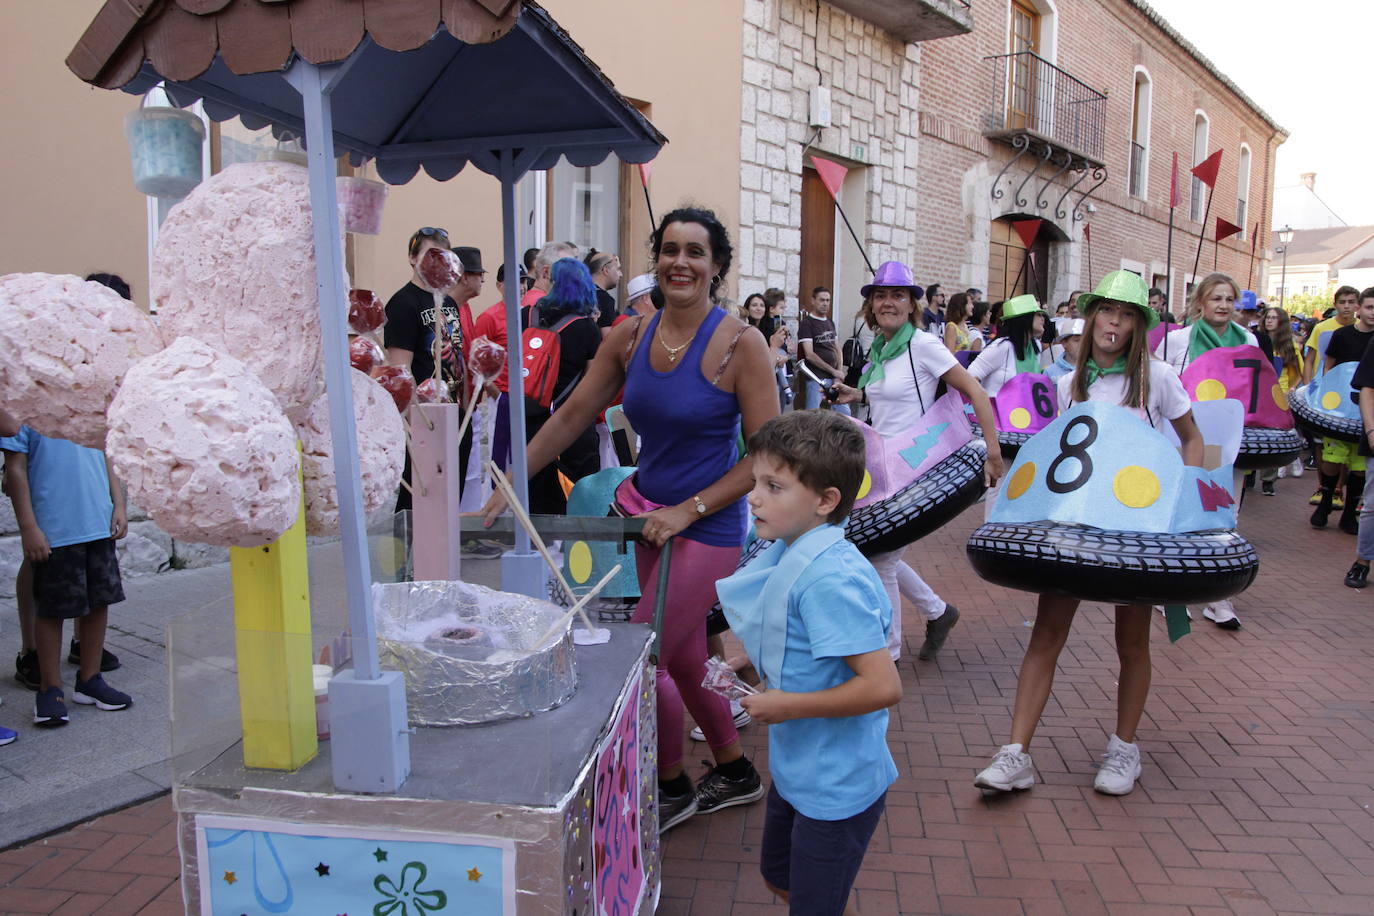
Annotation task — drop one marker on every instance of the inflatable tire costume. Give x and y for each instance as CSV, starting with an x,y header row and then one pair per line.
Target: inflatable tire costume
x,y
1319,423
1261,449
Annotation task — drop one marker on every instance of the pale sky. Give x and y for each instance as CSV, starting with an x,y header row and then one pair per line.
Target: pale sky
x,y
1308,66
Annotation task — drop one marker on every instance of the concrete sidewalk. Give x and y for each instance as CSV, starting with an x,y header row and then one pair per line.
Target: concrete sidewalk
x,y
1256,796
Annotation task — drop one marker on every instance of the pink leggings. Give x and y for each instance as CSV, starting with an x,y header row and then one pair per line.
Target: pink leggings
x,y
693,571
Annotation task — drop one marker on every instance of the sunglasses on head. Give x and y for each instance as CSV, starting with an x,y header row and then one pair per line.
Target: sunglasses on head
x,y
429,231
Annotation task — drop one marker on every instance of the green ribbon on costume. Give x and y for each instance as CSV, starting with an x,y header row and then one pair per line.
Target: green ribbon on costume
x,y
883,350
1204,337
1096,372
1030,361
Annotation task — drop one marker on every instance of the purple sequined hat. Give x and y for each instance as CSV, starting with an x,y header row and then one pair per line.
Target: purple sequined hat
x,y
894,273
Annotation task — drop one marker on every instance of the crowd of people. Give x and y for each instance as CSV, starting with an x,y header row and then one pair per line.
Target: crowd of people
x,y
739,418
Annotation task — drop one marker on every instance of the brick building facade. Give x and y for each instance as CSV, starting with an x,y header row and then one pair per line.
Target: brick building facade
x,y
1102,94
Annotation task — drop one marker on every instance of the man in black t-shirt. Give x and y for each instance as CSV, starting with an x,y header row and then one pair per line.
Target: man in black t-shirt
x,y
1345,345
818,347
606,272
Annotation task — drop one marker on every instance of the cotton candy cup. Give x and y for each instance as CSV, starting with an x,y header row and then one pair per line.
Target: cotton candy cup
x,y
204,447
65,345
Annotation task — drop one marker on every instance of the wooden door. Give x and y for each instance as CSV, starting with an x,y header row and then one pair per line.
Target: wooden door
x,y
1008,273
817,236
1021,75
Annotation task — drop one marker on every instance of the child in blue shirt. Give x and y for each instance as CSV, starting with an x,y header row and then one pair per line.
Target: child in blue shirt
x,y
70,510
814,618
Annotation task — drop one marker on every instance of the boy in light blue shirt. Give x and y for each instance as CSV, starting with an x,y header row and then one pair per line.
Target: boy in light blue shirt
x,y
814,618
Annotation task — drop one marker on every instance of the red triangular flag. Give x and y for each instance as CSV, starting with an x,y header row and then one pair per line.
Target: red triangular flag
x,y
1028,229
645,169
1206,170
1087,233
1174,197
832,175
1226,229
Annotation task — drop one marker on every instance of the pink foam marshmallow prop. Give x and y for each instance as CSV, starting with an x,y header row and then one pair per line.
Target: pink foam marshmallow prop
x,y
381,454
204,447
234,266
67,344
366,313
364,354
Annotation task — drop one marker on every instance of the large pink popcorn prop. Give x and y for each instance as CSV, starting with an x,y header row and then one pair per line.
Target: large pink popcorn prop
x,y
65,345
205,448
381,453
234,267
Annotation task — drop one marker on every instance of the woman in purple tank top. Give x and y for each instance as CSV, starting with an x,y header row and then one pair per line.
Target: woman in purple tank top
x,y
694,378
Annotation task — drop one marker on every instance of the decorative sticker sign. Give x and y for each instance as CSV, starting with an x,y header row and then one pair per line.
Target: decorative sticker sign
x,y
1243,374
586,562
249,865
893,463
1100,465
1333,394
616,854
1027,403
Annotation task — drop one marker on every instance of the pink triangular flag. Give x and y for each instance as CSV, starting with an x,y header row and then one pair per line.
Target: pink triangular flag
x,y
832,175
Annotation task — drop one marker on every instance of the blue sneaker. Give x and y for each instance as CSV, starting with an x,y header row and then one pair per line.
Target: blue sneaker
x,y
50,708
7,736
101,695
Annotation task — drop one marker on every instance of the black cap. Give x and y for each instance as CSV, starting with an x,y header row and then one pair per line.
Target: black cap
x,y
471,259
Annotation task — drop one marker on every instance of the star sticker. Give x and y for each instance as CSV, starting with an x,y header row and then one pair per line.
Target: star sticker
x,y
230,877
474,875
322,870
379,854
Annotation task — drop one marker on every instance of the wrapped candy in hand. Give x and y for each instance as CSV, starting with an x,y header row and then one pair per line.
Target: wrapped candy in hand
x,y
399,383
365,355
487,359
431,391
366,313
440,268
722,679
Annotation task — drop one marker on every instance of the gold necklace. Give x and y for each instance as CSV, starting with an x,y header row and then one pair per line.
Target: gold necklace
x,y
674,351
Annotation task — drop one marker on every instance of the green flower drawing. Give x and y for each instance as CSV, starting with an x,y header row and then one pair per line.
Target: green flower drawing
x,y
406,898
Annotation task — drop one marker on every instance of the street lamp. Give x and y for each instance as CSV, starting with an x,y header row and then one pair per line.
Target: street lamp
x,y
1285,236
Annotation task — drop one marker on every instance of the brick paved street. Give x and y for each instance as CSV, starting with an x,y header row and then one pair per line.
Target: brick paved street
x,y
1255,797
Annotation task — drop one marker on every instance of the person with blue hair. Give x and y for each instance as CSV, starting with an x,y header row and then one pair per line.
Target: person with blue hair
x,y
571,295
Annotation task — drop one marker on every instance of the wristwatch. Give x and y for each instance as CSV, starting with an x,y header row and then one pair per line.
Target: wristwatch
x,y
701,506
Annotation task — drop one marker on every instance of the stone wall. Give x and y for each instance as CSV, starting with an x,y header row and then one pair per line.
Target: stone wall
x,y
789,46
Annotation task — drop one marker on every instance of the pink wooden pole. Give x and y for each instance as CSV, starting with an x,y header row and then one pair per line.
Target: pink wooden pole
x,y
434,481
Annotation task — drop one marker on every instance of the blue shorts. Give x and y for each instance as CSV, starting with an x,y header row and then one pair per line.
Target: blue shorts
x,y
815,861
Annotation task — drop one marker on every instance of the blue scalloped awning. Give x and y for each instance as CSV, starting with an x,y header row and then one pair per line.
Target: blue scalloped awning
x,y
446,104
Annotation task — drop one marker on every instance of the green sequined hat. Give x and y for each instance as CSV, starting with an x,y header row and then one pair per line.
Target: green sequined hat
x,y
1025,304
1122,286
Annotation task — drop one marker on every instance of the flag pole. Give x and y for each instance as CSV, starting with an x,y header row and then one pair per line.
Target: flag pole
x,y
644,169
1202,233
1250,274
855,235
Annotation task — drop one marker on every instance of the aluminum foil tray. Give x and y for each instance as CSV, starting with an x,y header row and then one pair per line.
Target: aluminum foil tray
x,y
469,653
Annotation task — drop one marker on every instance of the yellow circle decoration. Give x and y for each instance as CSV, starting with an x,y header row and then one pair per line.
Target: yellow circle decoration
x,y
580,562
1280,398
1020,481
1135,486
1020,418
1331,400
865,486
1210,390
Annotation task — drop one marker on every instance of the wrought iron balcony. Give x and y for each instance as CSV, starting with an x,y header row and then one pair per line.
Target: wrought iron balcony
x,y
1035,101
1135,178
913,20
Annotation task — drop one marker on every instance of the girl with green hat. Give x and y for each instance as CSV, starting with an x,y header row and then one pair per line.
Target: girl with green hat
x,y
1114,365
1017,347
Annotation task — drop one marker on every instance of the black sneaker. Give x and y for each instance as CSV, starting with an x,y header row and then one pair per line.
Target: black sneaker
x,y
50,708
108,660
937,631
1358,577
1267,487
716,790
26,669
674,809
101,695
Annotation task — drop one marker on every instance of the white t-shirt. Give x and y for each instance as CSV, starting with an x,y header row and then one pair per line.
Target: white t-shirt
x,y
1167,400
995,365
1178,347
893,400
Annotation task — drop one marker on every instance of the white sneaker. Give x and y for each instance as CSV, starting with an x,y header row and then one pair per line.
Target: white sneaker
x,y
1120,768
1296,468
1011,768
737,712
1223,614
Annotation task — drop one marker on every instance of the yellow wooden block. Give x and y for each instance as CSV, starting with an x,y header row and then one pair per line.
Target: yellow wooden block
x,y
272,638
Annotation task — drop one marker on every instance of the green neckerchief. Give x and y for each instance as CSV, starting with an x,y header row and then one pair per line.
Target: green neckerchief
x,y
883,350
1030,361
1096,372
1204,337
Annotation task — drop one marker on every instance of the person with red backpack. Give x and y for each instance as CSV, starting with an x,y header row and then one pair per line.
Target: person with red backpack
x,y
559,340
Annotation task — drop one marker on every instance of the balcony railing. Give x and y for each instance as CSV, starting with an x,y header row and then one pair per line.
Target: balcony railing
x,y
1135,178
1030,95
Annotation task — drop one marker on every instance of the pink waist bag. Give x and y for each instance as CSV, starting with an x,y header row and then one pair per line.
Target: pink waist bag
x,y
629,502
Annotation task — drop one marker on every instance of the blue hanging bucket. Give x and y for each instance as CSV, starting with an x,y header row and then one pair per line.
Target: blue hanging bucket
x,y
165,148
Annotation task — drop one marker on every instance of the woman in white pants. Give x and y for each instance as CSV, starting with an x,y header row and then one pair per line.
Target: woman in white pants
x,y
905,367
